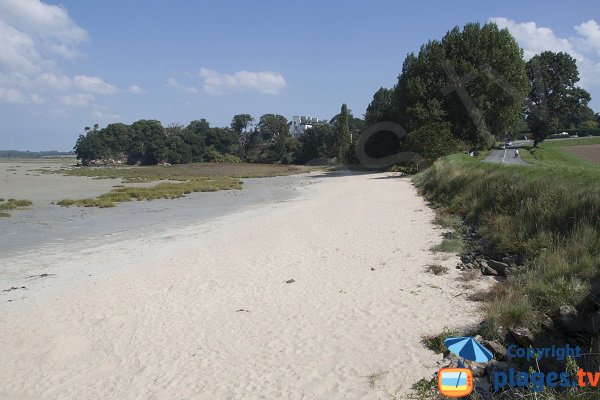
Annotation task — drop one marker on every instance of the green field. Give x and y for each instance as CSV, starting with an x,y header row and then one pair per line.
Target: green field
x,y
550,155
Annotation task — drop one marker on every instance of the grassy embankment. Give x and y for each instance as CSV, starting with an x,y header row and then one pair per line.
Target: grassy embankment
x,y
549,212
182,179
12,204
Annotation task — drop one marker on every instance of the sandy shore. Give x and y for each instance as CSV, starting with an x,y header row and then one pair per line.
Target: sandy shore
x,y
205,312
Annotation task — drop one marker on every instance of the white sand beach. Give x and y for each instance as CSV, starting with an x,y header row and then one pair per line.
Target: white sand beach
x,y
205,312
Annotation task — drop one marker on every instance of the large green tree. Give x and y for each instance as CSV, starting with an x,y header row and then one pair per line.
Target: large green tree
x,y
147,142
555,102
272,125
473,78
380,108
316,142
343,138
240,122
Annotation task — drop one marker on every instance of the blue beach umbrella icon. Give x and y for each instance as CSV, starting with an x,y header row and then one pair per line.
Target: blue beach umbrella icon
x,y
469,349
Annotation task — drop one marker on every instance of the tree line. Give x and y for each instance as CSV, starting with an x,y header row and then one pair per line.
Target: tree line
x,y
148,142
467,90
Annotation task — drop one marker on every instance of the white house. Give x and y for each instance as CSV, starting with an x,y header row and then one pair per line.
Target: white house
x,y
300,123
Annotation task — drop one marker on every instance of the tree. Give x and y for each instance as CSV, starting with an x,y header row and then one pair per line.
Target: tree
x,y
272,125
90,147
240,122
147,143
484,62
115,137
223,140
316,142
555,102
432,141
380,108
343,139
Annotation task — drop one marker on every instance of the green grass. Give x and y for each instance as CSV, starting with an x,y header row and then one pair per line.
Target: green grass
x,y
183,172
448,220
549,212
571,142
159,191
451,243
184,179
436,344
12,204
550,155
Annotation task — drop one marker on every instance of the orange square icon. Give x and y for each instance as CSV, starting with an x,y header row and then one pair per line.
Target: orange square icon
x,y
455,382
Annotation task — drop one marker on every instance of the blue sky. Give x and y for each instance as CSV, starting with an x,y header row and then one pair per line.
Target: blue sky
x,y
67,64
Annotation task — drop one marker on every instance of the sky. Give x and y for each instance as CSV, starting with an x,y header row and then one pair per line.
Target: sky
x,y
68,64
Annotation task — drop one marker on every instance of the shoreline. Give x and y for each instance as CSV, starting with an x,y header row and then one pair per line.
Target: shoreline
x,y
209,313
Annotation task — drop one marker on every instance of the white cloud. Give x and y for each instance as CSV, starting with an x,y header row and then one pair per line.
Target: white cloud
x,y
19,53
34,38
585,47
172,83
590,35
50,80
48,22
135,89
93,84
76,99
11,96
36,98
264,81
105,117
535,39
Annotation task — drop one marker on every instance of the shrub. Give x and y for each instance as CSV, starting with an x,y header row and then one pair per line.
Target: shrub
x,y
437,269
435,343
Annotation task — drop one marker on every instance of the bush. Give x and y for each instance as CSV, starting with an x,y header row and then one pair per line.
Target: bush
x,y
436,344
432,141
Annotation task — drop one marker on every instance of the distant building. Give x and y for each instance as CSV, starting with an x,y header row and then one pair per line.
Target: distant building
x,y
301,123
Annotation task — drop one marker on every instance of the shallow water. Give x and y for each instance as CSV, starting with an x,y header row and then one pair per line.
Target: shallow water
x,y
50,227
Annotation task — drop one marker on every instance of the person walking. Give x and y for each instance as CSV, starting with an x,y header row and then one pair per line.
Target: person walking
x,y
516,153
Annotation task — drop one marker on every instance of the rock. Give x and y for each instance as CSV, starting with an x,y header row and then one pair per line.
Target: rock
x,y
290,281
496,348
485,270
372,269
495,365
522,336
498,266
547,322
568,318
478,369
469,266
450,360
483,263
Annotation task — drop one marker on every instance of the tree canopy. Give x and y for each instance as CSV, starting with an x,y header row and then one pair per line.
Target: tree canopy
x,y
473,78
555,102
